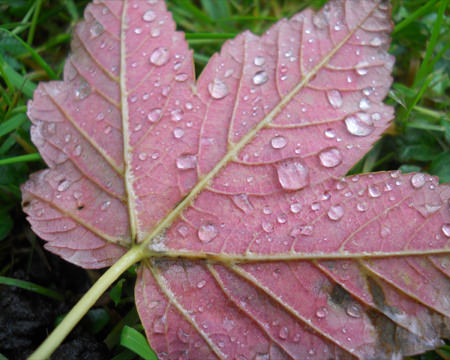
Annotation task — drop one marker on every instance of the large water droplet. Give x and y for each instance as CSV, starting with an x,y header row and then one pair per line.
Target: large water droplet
x,y
243,203
330,157
154,115
160,56
295,208
142,156
374,191
335,98
359,125
259,61
336,212
96,29
260,78
83,90
446,230
63,185
364,104
207,232
176,115
284,333
353,310
418,180
218,89
292,175
149,16
278,142
178,133
186,161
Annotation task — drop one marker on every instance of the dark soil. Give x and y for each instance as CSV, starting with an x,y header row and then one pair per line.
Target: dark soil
x,y
26,318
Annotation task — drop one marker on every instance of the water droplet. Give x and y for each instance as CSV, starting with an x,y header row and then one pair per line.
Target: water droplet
x,y
292,175
218,89
260,78
243,203
362,71
176,115
154,115
187,161
359,125
278,142
330,158
178,133
181,77
262,357
284,333
322,312
385,231
315,206
267,210
83,90
100,116
353,310
183,336
77,150
201,284
67,138
374,191
418,180
362,206
96,29
376,41
149,16
160,56
364,104
159,325
267,226
282,219
336,212
320,21
335,98
155,32
105,205
138,31
142,156
446,230
155,155
228,73
207,233
259,61
330,134
63,185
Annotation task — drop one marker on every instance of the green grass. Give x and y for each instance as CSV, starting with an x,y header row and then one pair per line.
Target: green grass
x,y
34,42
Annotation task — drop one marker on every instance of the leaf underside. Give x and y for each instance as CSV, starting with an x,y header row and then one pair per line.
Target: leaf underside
x,y
257,248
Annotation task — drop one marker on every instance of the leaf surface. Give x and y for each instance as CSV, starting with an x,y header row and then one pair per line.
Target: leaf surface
x,y
257,248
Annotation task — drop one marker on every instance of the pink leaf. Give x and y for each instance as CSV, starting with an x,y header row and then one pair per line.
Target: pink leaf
x,y
257,248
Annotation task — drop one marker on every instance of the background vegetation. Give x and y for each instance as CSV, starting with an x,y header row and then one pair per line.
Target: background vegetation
x,y
34,42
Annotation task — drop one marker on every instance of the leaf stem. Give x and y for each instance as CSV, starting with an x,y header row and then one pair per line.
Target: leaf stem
x,y
86,302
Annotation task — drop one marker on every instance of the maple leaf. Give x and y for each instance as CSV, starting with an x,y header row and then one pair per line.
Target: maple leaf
x,y
254,245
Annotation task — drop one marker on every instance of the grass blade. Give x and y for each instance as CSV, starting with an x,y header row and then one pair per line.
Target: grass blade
x,y
31,287
136,342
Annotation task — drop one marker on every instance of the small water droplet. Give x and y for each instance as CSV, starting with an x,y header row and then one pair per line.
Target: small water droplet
x,y
322,312
359,125
385,231
446,230
260,78
63,185
201,284
105,205
418,180
259,61
330,134
330,158
178,133
155,155
83,90
374,191
336,212
149,16
142,156
364,104
282,219
67,138
160,56
176,115
218,89
138,31
186,161
362,71
335,98
353,310
243,203
155,32
159,325
315,206
362,206
207,233
284,333
320,21
376,41
267,226
77,150
181,77
278,142
96,29
292,175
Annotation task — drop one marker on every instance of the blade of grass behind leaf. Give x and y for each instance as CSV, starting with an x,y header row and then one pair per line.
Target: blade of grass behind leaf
x,y
136,342
31,287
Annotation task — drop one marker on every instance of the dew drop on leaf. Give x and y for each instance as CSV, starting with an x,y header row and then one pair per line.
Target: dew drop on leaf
x,y
446,230
330,134
154,115
362,206
159,325
336,212
186,161
295,208
335,98
283,333
201,284
182,336
330,158
267,226
218,89
96,29
160,56
359,125
243,203
418,180
374,191
364,104
322,312
278,142
149,16
353,310
260,78
385,231
207,233
259,61
178,133
292,175
63,185
77,150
